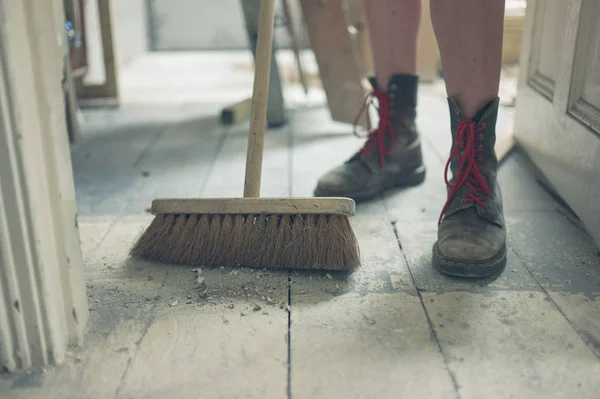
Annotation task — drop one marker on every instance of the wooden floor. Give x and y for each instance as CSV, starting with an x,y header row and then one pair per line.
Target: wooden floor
x,y
393,329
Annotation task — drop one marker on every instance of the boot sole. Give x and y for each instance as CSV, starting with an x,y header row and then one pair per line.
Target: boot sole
x,y
473,269
413,178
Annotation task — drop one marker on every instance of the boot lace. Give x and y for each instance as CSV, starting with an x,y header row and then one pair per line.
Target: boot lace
x,y
469,173
376,137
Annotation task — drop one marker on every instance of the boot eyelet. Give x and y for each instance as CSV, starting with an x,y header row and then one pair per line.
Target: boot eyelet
x,y
483,125
463,201
481,136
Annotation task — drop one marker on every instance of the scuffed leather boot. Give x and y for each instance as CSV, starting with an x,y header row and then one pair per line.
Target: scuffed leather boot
x,y
472,232
391,157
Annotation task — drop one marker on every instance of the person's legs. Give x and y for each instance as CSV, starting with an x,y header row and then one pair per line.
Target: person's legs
x,y
392,154
472,232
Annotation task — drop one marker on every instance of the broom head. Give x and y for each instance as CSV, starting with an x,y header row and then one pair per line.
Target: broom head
x,y
275,233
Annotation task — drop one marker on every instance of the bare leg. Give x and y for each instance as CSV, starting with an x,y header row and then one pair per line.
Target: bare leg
x,y
393,28
469,35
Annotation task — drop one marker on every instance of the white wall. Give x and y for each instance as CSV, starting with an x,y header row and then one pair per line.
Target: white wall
x,y
130,18
131,28
208,25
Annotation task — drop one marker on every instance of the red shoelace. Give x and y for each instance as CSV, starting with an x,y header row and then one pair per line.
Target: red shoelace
x,y
469,165
376,137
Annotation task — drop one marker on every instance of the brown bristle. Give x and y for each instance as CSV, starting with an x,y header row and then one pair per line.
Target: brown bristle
x,y
221,229
213,230
149,245
170,248
321,247
342,244
256,241
276,241
268,245
189,239
238,242
284,235
300,238
310,238
195,253
253,236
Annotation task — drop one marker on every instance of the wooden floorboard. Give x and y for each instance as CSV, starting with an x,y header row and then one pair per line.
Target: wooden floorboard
x,y
220,338
180,162
105,163
511,344
365,333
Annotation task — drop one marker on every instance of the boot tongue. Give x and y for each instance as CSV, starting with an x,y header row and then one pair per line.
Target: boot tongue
x,y
456,114
481,112
373,81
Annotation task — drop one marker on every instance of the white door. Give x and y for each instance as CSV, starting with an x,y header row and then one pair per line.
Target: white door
x,y
558,106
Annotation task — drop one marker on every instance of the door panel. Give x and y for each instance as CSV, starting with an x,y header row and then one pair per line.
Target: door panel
x,y
557,115
548,31
584,102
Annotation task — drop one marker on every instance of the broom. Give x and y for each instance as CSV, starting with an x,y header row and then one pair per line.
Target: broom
x,y
285,233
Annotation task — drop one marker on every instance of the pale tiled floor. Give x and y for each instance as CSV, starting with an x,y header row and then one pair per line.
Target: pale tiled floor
x,y
393,329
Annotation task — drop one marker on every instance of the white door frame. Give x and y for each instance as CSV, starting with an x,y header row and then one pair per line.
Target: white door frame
x,y
43,305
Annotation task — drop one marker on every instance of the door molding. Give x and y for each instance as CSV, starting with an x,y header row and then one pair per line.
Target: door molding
x,y
579,106
538,80
43,305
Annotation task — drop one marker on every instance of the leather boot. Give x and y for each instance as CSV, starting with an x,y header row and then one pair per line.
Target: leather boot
x,y
472,231
391,156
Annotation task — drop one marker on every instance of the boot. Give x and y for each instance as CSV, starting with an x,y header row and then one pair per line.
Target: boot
x,y
391,156
471,229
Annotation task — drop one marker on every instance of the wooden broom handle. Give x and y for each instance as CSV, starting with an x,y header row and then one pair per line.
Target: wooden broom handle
x,y
260,94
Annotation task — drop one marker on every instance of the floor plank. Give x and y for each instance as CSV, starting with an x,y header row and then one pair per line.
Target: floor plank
x,y
565,261
92,231
521,192
511,344
583,312
559,255
226,337
227,175
364,334
122,298
104,162
178,164
365,346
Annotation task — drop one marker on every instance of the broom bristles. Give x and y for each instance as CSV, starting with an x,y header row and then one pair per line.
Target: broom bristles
x,y
325,242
